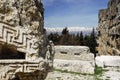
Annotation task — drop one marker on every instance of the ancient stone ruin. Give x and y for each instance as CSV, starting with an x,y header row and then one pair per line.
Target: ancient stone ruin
x,y
109,29
25,53
76,59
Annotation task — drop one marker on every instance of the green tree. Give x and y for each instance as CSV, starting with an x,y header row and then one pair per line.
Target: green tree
x,y
93,42
50,36
77,37
81,38
64,37
86,40
55,37
73,39
65,31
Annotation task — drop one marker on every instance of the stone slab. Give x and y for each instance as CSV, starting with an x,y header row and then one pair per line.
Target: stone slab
x,y
78,66
112,61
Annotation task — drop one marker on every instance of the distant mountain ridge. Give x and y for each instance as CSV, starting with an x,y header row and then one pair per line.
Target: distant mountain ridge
x,y
72,30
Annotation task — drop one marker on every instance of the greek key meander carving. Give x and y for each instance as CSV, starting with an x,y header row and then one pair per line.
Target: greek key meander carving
x,y
17,36
7,72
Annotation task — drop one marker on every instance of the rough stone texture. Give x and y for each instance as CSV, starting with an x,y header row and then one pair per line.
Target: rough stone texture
x,y
21,27
109,41
111,65
108,61
73,53
109,29
23,69
72,50
111,75
75,59
56,75
84,67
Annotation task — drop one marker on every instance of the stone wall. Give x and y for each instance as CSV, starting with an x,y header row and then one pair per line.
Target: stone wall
x,y
109,29
21,29
21,25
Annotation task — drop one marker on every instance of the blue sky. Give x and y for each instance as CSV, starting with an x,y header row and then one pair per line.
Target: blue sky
x,y
72,13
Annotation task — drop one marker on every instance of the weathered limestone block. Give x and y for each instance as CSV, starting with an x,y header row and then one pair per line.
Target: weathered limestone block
x,y
108,61
74,59
109,29
22,36
79,66
72,50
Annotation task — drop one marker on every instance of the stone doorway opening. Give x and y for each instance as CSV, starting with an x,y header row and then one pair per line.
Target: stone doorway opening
x,y
8,51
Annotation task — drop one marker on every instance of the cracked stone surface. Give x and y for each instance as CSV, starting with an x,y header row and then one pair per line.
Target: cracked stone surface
x,y
22,33
109,29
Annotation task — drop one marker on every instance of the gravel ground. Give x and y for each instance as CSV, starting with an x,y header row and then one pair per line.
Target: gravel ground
x,y
55,75
111,73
